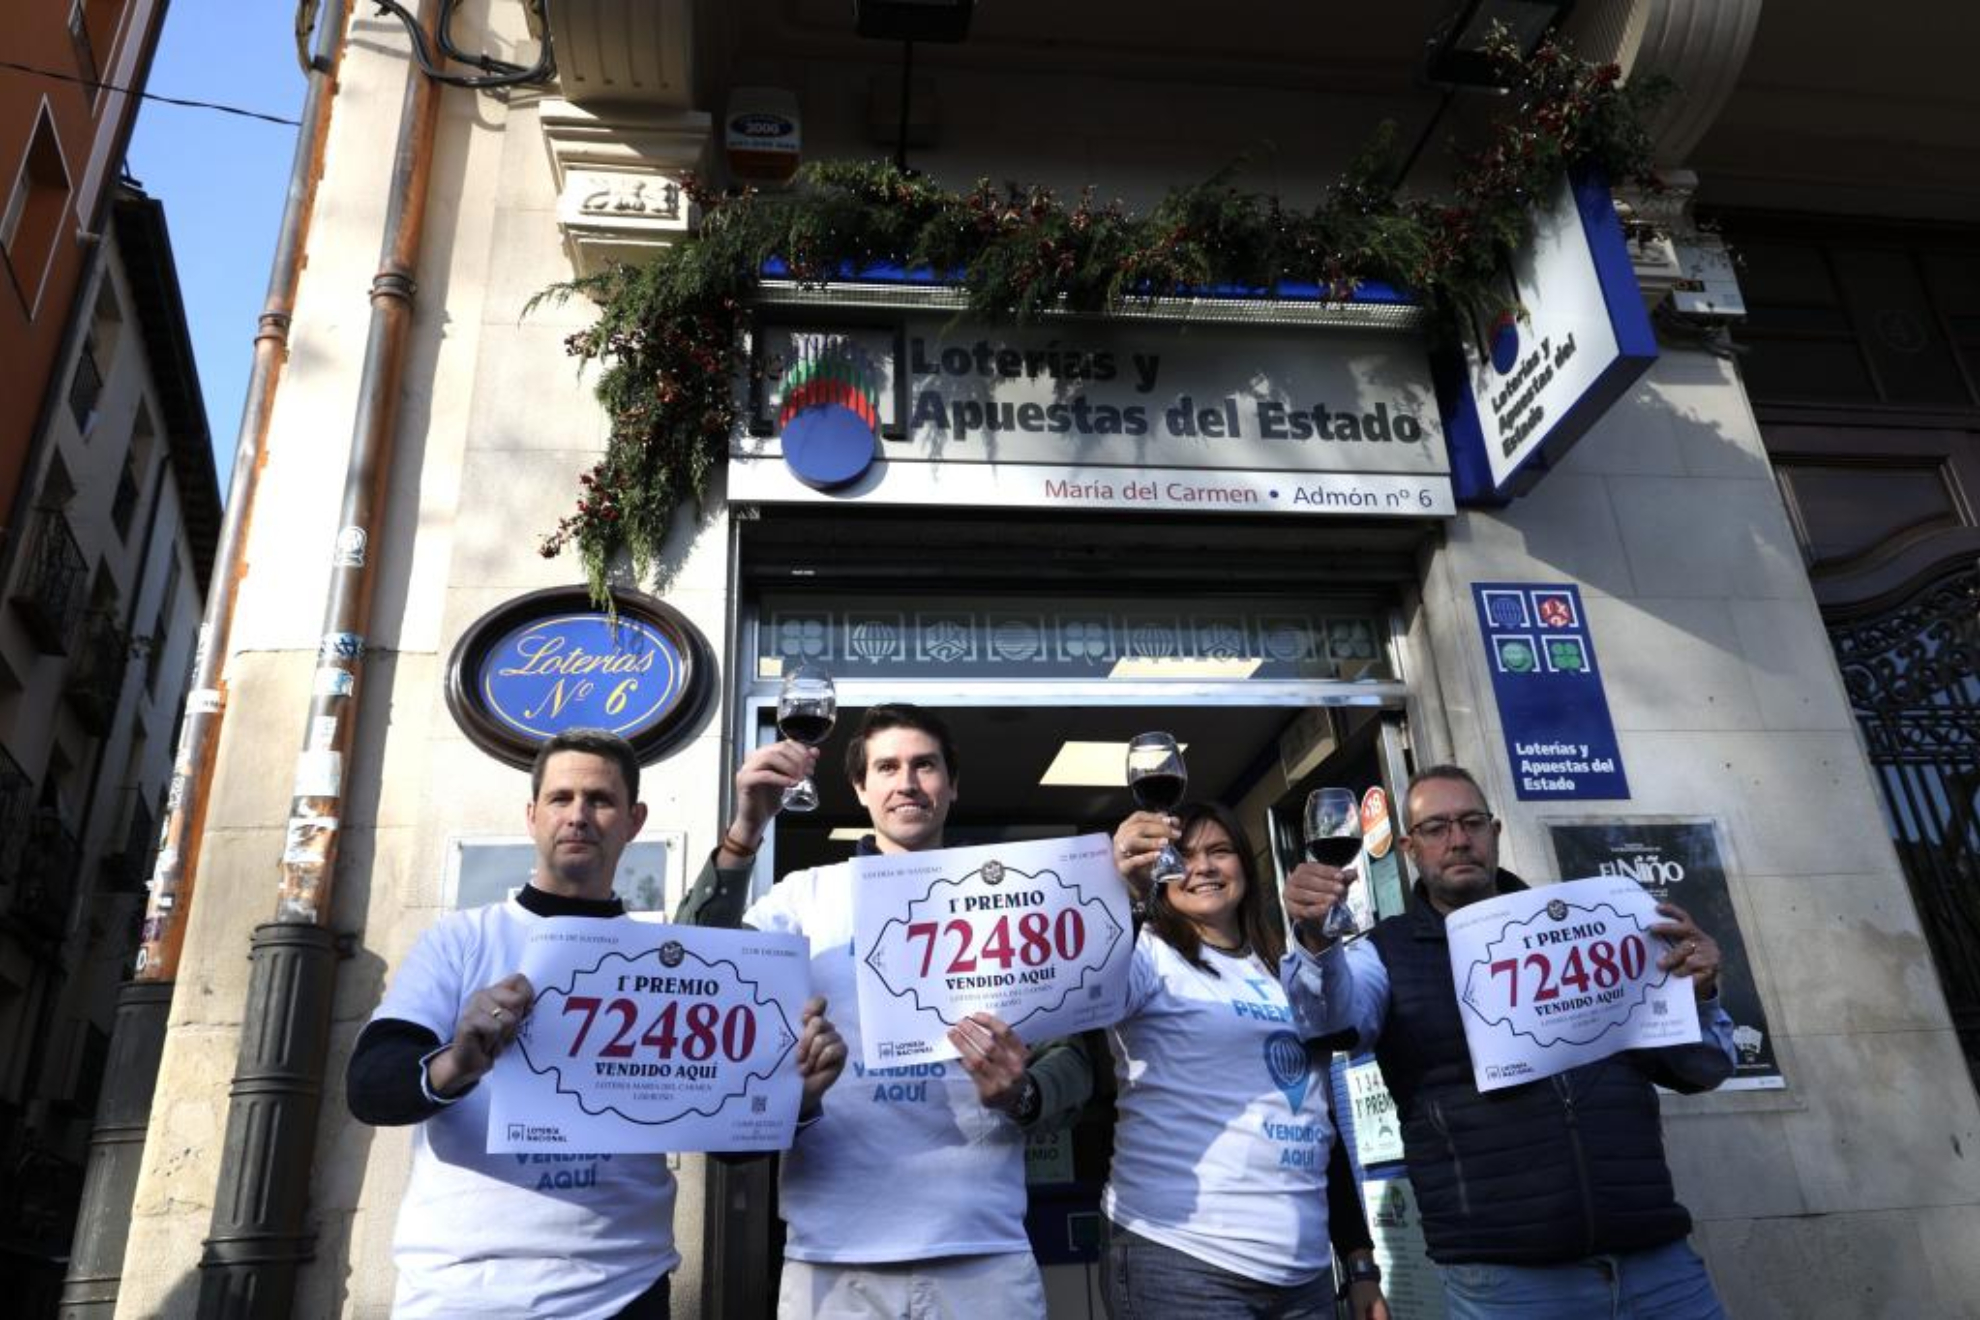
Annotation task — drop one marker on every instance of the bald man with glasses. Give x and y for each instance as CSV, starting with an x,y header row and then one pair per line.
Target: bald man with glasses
x,y
1551,1200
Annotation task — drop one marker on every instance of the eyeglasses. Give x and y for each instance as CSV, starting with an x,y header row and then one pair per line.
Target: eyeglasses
x,y
1435,829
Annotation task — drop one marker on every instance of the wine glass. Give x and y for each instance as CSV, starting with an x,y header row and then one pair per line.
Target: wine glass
x,y
1157,778
806,708
1332,828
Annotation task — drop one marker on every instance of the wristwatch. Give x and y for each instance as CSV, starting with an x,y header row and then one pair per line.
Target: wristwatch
x,y
1361,1271
1029,1101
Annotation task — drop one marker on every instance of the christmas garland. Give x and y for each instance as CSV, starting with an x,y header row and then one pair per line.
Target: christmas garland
x,y
670,333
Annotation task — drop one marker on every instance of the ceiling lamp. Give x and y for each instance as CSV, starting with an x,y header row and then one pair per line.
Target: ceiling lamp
x,y
913,20
909,21
1459,58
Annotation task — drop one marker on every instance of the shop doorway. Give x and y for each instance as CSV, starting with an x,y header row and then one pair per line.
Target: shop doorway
x,y
1043,771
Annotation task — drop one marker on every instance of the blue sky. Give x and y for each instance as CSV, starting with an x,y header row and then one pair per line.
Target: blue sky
x,y
221,178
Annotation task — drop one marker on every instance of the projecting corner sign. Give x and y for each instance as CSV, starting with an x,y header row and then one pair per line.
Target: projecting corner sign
x,y
1525,389
551,661
886,401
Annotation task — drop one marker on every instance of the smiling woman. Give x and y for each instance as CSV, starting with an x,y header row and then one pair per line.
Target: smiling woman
x,y
1224,1149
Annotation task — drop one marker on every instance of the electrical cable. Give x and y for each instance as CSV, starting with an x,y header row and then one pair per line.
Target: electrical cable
x,y
149,96
495,73
307,12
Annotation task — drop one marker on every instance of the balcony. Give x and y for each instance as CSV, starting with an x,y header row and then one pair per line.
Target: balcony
x,y
16,810
125,872
45,879
96,679
48,593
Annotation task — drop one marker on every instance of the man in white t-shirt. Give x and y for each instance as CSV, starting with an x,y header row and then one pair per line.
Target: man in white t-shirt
x,y
906,1198
524,1236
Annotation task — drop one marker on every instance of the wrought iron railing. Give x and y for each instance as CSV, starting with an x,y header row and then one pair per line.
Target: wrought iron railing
x,y
48,593
96,679
1913,678
47,879
16,810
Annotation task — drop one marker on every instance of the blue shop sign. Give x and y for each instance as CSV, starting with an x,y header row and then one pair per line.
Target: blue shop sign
x,y
1522,390
551,661
1560,741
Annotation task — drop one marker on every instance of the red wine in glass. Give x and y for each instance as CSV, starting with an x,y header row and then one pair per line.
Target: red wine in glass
x,y
1331,828
1157,778
809,727
1163,793
1333,851
806,708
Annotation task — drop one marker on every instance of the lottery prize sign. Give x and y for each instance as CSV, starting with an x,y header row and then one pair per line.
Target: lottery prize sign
x,y
647,1038
1561,975
1036,933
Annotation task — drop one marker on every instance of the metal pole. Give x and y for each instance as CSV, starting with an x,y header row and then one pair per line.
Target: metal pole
x,y
96,1260
259,1236
192,768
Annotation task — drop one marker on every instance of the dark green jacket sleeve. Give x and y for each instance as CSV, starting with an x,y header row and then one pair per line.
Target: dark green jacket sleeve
x,y
1064,1071
718,897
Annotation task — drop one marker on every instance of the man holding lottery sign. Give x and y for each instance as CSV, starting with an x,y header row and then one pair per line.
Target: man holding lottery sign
x,y
1545,1199
906,1197
506,1234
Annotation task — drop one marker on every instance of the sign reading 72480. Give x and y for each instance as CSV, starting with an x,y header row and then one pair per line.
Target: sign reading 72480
x,y
1031,932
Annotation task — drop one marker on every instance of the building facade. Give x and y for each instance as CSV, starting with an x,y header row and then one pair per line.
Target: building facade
x,y
62,136
1693,539
101,615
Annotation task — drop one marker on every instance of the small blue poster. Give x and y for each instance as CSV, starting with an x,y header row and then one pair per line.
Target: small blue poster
x,y
1559,738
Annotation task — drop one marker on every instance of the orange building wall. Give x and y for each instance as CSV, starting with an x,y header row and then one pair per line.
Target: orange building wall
x,y
32,320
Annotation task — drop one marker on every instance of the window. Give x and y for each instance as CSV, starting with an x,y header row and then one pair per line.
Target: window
x,y
92,33
85,386
125,504
37,203
1855,315
79,38
161,628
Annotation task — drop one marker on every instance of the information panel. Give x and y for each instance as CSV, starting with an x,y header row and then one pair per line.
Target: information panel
x,y
1559,737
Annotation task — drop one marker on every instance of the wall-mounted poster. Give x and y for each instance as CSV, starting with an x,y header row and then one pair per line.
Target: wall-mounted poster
x,y
1681,861
489,868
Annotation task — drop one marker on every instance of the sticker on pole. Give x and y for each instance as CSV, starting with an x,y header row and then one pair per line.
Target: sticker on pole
x,y
1035,933
1562,975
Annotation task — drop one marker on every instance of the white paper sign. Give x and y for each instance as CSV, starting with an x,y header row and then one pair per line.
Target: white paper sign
x,y
1036,933
1409,1281
647,1038
1377,1129
1562,975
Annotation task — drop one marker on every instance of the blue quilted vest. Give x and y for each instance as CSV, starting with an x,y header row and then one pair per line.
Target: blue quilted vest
x,y
1550,1171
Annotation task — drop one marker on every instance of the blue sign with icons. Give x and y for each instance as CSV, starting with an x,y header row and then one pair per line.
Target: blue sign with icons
x,y
1559,738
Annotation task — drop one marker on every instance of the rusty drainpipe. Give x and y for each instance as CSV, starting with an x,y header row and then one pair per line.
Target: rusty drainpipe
x,y
96,1259
259,1236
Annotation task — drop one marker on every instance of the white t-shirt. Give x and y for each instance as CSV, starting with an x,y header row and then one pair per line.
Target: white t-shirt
x,y
906,1163
494,1236
1220,1147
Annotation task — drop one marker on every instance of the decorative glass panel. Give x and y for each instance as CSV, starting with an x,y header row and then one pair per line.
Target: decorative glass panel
x,y
1005,637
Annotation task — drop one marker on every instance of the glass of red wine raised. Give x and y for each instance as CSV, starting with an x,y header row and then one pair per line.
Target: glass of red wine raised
x,y
1332,825
1157,779
806,707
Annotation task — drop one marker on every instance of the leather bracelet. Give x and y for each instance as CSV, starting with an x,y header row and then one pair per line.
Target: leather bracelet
x,y
1360,1271
729,843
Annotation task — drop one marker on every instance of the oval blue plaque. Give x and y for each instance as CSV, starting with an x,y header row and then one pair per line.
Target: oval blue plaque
x,y
581,671
548,662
